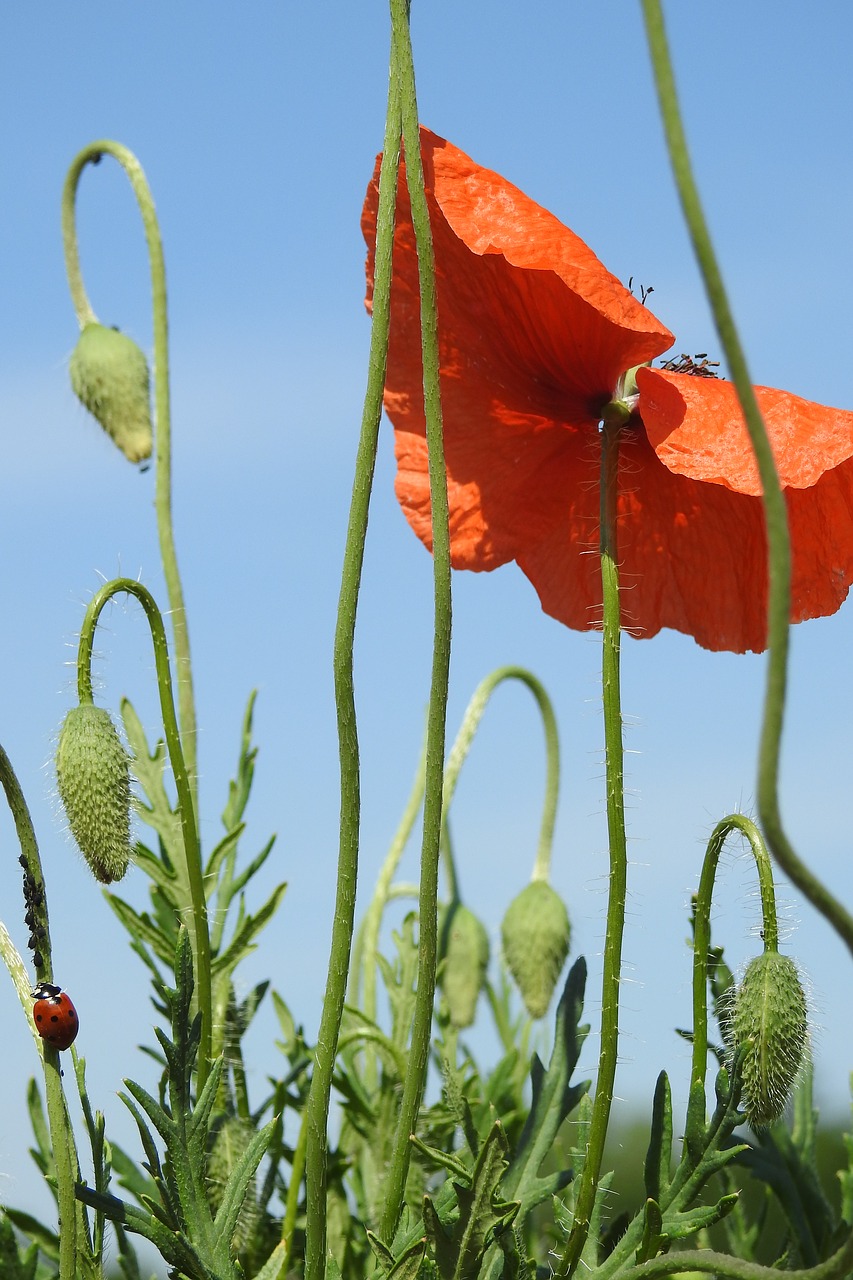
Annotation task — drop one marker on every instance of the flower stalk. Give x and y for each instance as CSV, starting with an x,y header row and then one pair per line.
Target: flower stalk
x,y
317,1113
617,888
92,154
415,1080
198,920
775,510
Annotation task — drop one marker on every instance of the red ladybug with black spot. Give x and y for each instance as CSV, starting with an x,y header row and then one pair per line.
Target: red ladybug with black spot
x,y
55,1016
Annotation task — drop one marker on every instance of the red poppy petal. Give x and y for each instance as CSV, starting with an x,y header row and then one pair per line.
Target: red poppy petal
x,y
527,358
693,556
696,427
529,293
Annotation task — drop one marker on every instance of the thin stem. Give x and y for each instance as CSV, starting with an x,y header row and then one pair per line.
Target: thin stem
x,y
413,1085
702,926
775,510
317,1111
471,722
163,484
199,930
613,751
61,1132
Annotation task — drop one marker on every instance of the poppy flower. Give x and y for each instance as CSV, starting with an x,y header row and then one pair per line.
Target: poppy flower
x,y
534,337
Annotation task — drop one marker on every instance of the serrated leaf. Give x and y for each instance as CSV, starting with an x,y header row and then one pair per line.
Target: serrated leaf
x,y
242,943
554,1097
680,1226
142,928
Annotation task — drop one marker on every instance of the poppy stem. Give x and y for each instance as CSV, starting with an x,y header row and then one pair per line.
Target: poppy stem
x,y
413,1085
162,405
613,757
317,1111
775,507
702,930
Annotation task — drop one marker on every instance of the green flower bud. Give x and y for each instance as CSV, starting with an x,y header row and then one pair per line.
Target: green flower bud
x,y
770,1017
466,958
109,374
536,935
229,1146
93,773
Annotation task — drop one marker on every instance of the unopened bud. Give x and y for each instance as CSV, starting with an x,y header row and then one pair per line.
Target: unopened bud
x,y
93,773
770,1017
109,374
466,958
536,935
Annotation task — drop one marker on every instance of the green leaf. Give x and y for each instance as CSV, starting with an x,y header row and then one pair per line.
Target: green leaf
x,y
654,1239
14,1266
243,941
142,928
659,1154
554,1097
234,1193
43,1237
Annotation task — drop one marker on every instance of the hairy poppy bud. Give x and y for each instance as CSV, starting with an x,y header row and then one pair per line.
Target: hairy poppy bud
x,y
109,374
536,935
92,770
466,957
770,1017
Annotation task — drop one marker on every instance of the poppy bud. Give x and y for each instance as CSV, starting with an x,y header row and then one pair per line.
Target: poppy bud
x,y
109,374
93,773
536,935
770,1017
466,957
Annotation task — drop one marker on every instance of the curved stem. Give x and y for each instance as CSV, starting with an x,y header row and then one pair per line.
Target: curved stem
x,y
775,510
470,724
413,1085
317,1111
163,484
702,926
199,931
585,1200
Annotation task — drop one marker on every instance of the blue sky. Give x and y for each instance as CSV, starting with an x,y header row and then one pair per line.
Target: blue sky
x,y
257,130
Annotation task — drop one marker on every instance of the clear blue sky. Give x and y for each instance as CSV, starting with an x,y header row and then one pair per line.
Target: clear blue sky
x,y
257,126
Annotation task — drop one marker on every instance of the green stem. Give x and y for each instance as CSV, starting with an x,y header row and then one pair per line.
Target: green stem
x,y
775,510
163,484
836,1267
317,1112
613,750
199,931
415,1080
61,1133
367,943
702,926
470,724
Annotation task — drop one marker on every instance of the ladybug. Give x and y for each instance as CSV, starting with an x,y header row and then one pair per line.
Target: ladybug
x,y
55,1016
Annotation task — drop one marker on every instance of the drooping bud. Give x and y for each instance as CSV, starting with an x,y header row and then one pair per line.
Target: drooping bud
x,y
770,1017
466,958
93,773
536,935
109,374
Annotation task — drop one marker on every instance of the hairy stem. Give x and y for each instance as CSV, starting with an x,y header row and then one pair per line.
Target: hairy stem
x,y
163,484
775,510
585,1200
199,928
317,1111
415,1080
